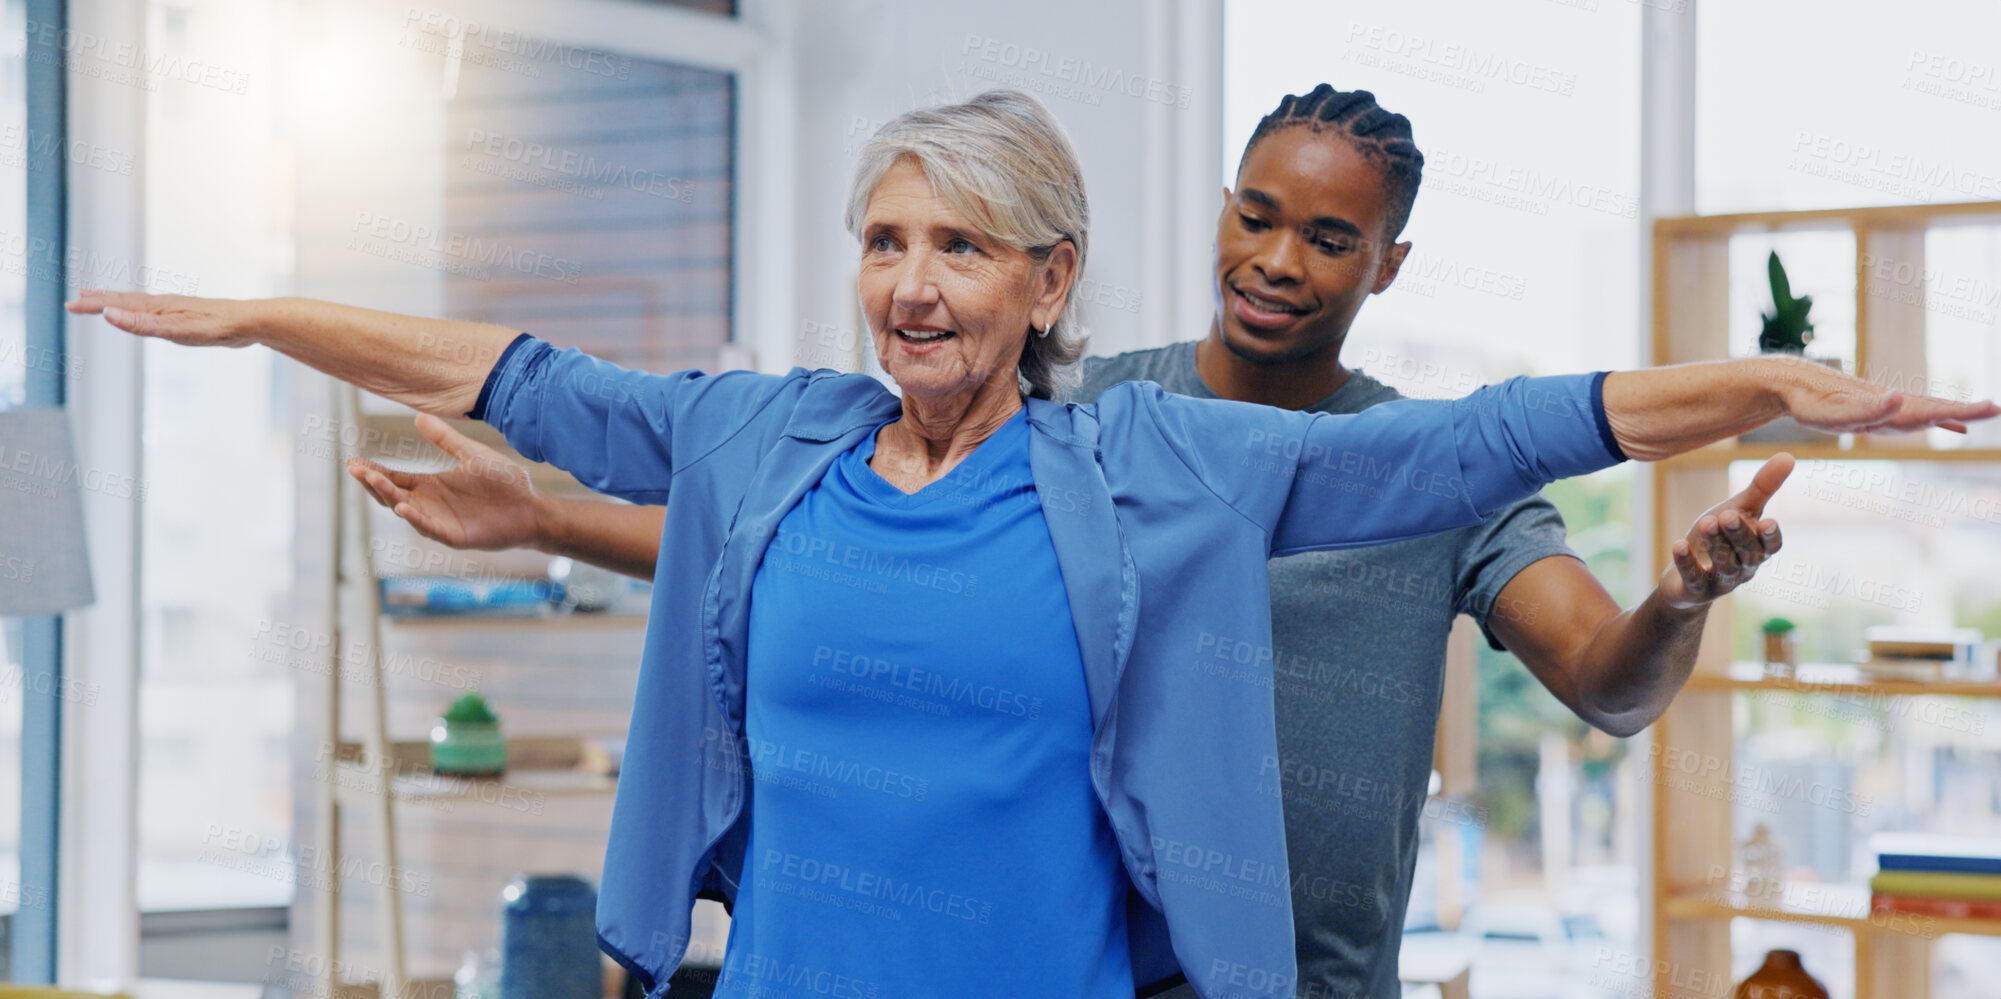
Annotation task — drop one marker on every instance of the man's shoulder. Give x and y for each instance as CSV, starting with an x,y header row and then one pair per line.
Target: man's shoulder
x,y
1164,365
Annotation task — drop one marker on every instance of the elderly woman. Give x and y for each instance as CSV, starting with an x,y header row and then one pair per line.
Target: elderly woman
x,y
930,691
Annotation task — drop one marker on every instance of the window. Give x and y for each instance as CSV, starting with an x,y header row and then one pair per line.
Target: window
x,y
1846,107
27,367
410,161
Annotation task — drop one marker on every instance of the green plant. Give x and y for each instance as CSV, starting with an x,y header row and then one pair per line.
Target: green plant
x,y
470,708
1786,330
1777,626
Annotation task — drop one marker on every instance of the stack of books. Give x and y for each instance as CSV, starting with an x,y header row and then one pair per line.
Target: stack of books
x,y
1921,654
1953,876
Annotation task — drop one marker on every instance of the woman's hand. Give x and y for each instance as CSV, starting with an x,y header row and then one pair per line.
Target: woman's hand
x,y
1728,542
485,502
1656,413
1825,399
183,319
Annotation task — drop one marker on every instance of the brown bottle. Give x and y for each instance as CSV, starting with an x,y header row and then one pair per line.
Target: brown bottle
x,y
1782,977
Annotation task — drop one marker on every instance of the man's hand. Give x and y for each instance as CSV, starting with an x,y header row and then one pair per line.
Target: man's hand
x,y
1728,542
485,502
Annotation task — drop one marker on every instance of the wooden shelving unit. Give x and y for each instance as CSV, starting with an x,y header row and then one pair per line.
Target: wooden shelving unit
x,y
1692,825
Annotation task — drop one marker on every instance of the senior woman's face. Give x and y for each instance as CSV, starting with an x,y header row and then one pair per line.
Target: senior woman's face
x,y
949,307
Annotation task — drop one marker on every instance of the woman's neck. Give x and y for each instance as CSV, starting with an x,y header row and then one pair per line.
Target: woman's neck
x,y
934,435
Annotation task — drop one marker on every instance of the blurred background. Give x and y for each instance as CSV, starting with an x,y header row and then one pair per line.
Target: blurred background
x,y
662,183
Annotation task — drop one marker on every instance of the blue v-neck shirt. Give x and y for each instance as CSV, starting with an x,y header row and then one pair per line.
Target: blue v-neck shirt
x,y
919,736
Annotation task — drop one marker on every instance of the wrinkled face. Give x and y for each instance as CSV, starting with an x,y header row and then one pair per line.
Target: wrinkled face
x,y
1300,244
948,306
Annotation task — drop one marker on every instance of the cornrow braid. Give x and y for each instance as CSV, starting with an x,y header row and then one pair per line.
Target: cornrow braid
x,y
1382,137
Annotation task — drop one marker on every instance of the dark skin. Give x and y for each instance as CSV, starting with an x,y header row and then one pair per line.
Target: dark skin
x,y
1301,244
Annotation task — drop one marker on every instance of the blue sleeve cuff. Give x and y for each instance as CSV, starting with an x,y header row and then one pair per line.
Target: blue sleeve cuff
x,y
1597,410
486,390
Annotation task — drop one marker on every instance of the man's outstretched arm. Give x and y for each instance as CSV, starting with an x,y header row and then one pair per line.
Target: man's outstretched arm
x,y
1618,670
487,502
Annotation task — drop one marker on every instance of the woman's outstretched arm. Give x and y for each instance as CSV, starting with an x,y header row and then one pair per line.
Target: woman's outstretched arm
x,y
431,365
1657,413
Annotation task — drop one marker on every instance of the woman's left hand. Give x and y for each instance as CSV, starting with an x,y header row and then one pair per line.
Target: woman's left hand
x,y
182,319
1824,399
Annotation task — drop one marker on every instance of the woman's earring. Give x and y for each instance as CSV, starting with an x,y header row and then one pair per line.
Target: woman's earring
x,y
1044,332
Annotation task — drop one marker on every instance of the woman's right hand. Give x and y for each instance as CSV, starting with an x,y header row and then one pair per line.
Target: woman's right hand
x,y
183,319
485,502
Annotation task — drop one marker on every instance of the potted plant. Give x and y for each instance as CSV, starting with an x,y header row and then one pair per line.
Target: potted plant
x,y
1781,652
1787,331
466,740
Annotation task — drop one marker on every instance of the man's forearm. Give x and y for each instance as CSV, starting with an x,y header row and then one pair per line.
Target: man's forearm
x,y
1637,662
616,536
432,365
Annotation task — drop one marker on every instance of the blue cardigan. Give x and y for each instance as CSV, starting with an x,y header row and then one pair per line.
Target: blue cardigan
x,y
1163,510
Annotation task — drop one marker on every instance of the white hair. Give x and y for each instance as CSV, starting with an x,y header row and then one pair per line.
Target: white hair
x,y
1002,161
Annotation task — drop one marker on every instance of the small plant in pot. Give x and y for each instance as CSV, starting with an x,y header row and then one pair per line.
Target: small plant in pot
x,y
1781,651
1787,331
466,740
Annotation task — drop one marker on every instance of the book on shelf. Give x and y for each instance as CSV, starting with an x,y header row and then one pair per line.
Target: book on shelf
x,y
1936,852
1938,884
1921,670
1907,653
1948,908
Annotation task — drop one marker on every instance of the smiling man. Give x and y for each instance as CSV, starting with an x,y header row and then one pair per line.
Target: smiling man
x,y
1310,231
1358,636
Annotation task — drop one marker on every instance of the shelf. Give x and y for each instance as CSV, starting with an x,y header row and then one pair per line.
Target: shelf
x,y
1822,218
593,620
1723,454
496,790
1840,905
1830,678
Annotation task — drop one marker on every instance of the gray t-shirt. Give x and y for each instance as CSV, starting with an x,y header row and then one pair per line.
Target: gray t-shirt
x,y
1358,640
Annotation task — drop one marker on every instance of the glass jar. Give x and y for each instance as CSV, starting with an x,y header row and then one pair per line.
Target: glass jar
x,y
549,942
